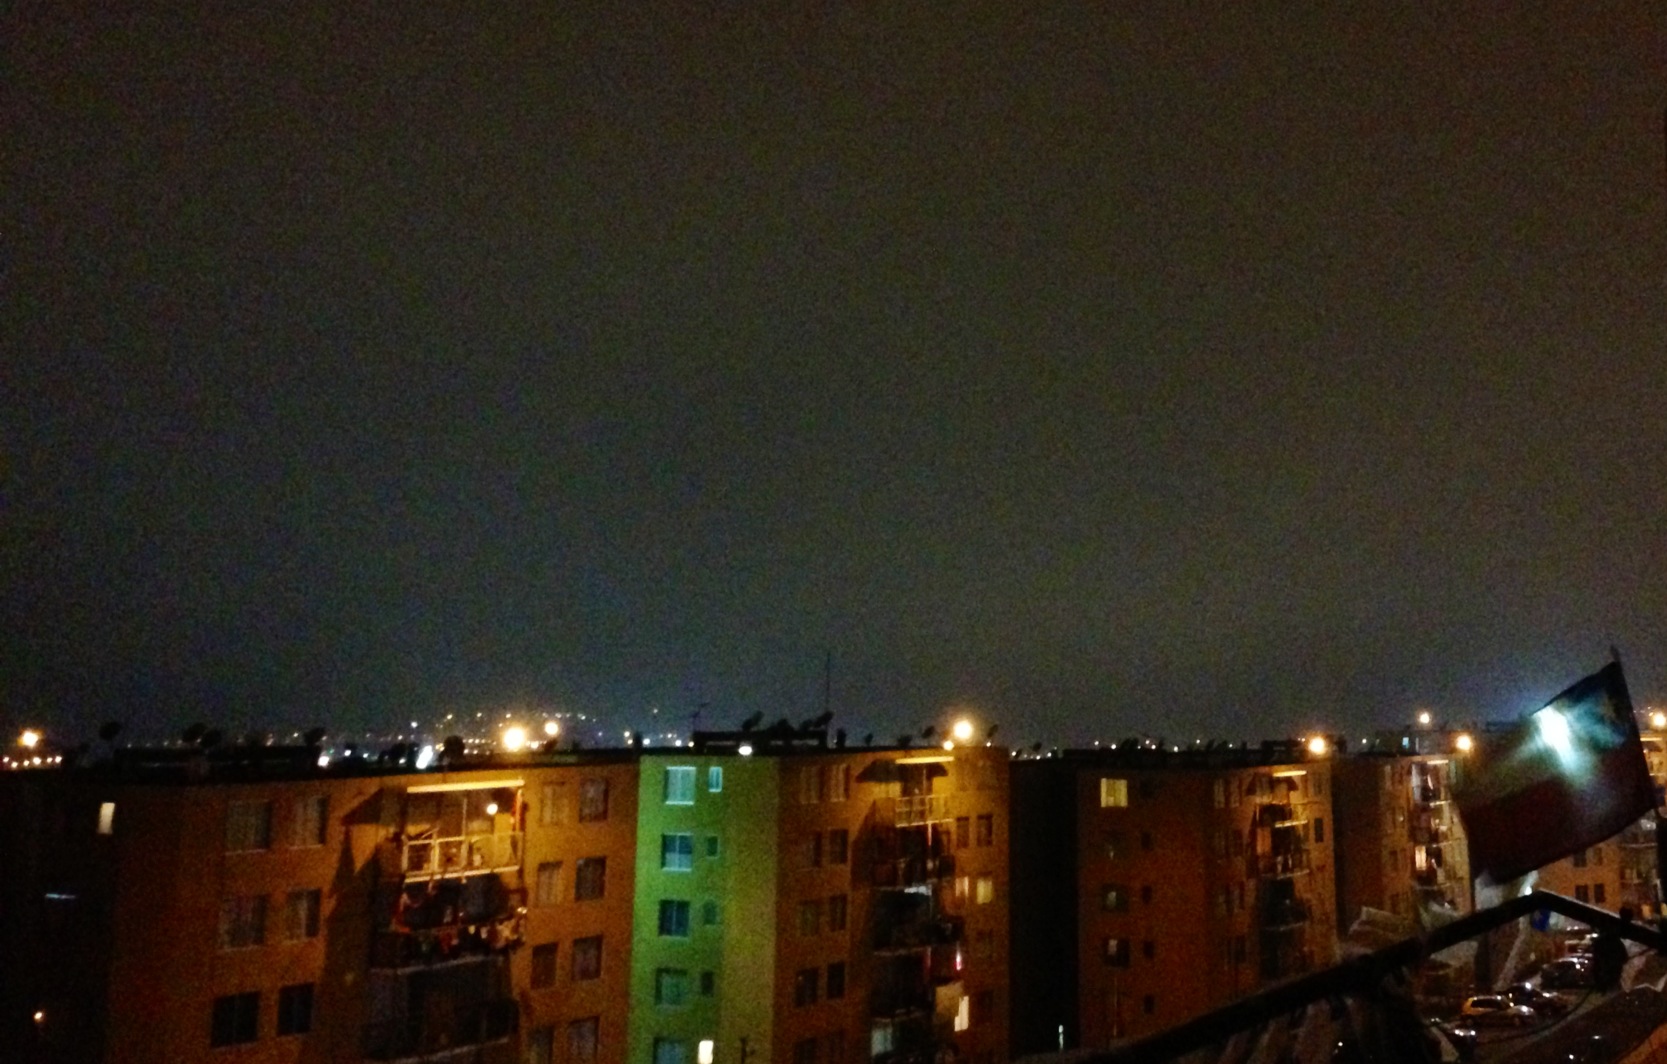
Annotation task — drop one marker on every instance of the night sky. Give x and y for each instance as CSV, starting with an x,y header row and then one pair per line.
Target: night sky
x,y
1220,373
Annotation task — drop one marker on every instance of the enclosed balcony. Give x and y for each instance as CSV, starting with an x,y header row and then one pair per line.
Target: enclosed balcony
x,y
439,1013
458,1035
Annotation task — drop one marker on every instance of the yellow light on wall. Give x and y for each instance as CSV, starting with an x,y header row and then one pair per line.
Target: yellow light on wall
x,y
514,738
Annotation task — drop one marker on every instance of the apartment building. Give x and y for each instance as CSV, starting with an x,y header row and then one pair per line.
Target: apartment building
x,y
1401,844
805,905
255,908
1150,886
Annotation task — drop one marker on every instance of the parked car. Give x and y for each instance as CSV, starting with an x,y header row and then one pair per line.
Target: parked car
x,y
1567,973
1540,1001
1494,1010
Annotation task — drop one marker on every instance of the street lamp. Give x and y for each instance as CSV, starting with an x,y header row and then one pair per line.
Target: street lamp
x,y
514,738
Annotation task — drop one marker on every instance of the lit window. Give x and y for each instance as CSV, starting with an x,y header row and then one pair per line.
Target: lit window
x,y
810,784
552,805
1117,952
839,783
547,887
677,852
295,1009
986,890
593,800
1114,794
107,818
312,818
963,1014
1114,898
301,910
680,785
715,778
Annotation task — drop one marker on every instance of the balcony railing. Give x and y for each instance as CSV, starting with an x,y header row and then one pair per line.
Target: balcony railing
x,y
1287,916
476,1025
395,950
915,810
902,872
917,934
461,855
1277,865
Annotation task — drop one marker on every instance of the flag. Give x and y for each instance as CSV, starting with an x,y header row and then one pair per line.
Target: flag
x,y
1569,776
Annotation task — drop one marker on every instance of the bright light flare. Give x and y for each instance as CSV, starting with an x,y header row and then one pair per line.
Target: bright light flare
x,y
1464,743
745,750
1318,746
514,738
1658,720
949,744
1554,732
552,729
29,739
703,1053
962,731
491,808
1424,718
425,757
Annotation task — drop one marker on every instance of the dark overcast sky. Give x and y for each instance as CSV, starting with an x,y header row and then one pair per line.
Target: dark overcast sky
x,y
1113,371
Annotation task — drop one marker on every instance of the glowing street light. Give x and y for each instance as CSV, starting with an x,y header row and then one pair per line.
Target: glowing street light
x,y
1424,719
961,732
745,750
949,744
514,738
552,729
1658,720
1464,743
1318,746
29,739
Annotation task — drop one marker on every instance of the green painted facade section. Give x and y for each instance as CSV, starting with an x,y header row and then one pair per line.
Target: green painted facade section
x,y
737,887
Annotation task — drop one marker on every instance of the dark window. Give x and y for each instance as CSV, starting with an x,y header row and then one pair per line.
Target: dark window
x,y
839,847
236,1019
593,800
677,852
805,984
1146,840
836,980
986,829
838,912
813,849
1598,894
1580,858
541,1046
248,826
1149,1004
671,987
1319,829
1581,893
587,958
708,984
1146,894
582,1037
709,913
301,914
804,1051
590,878
983,1007
1149,949
243,921
544,966
711,846
674,919
963,832
295,1009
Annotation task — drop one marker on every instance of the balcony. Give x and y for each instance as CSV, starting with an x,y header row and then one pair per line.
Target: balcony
x,y
436,1036
1430,794
1288,915
915,934
913,811
1638,835
404,949
901,873
460,855
1280,865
